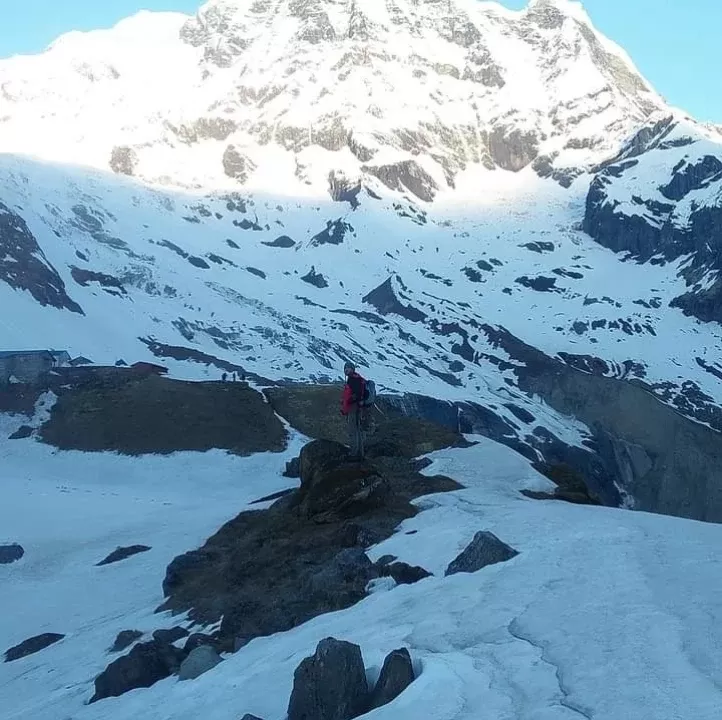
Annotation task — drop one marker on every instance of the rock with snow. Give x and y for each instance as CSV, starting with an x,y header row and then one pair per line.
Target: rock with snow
x,y
170,635
145,665
11,553
24,431
32,645
331,684
199,661
485,549
124,639
122,553
396,675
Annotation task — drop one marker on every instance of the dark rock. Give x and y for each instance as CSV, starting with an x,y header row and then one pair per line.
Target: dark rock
x,y
330,685
385,299
315,279
385,560
540,283
11,553
122,553
248,716
257,272
405,175
331,484
24,266
24,431
485,549
123,160
199,661
198,262
333,234
281,242
31,646
347,574
293,468
124,639
273,496
397,674
404,574
168,636
512,149
110,284
145,665
237,165
342,189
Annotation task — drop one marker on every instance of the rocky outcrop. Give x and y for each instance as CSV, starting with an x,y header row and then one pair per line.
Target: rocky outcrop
x,y
124,639
167,416
330,685
512,149
679,217
268,571
123,160
485,549
11,553
237,165
315,279
343,189
23,265
396,675
385,298
32,645
145,665
405,175
122,553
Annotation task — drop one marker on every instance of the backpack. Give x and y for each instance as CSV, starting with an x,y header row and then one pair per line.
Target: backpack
x,y
369,394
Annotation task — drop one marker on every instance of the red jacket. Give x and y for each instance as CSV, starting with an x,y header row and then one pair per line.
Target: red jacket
x,y
353,392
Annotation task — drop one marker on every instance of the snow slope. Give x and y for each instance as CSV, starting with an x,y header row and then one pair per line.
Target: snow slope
x,y
605,613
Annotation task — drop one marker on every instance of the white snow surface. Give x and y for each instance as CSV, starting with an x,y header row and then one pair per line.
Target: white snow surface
x,y
605,613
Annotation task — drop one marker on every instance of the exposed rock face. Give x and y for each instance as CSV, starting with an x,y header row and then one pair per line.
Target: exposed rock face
x,y
330,685
11,553
405,175
24,431
145,665
281,242
511,149
124,639
122,553
342,189
385,298
31,646
237,165
680,217
329,484
24,266
123,160
315,279
397,674
199,662
485,549
110,284
306,551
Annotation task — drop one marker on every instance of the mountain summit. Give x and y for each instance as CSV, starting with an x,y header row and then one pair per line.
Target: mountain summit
x,y
410,93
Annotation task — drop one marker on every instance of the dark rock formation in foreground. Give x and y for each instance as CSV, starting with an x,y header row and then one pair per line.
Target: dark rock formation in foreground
x,y
268,571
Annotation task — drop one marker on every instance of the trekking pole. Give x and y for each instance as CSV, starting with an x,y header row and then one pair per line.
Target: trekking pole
x,y
380,410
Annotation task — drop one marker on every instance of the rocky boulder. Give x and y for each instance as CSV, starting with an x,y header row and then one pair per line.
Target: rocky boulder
x,y
485,549
331,684
11,553
198,662
397,674
122,553
32,645
24,431
330,484
124,639
145,665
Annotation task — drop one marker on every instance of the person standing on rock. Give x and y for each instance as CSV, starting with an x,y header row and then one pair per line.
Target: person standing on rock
x,y
352,407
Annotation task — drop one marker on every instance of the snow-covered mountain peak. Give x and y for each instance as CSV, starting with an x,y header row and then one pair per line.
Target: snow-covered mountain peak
x,y
395,92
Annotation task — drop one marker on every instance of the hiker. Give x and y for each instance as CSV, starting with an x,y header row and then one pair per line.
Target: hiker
x,y
353,408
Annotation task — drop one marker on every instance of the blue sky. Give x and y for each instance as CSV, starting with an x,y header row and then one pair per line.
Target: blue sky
x,y
673,43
